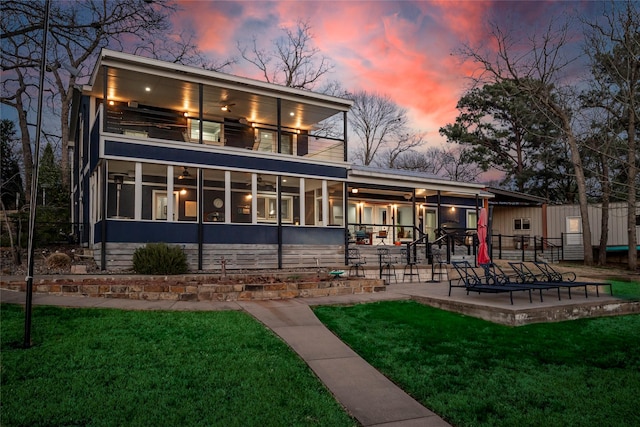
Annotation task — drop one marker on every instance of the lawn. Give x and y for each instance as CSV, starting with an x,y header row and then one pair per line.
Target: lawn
x,y
476,373
100,367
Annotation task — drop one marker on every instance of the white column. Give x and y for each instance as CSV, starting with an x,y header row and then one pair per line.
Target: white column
x,y
170,193
303,208
325,203
254,198
137,213
227,196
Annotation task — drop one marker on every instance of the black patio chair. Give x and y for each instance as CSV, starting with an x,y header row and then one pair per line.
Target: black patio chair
x,y
411,263
568,279
473,283
494,275
356,262
386,264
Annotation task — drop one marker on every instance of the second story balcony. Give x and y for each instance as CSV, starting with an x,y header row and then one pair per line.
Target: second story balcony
x,y
155,100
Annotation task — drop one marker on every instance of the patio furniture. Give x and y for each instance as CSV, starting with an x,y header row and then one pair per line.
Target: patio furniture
x,y
528,276
386,264
356,262
473,283
438,265
494,275
410,263
568,279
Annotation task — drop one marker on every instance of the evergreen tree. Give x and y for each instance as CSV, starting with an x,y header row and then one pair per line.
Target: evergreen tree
x,y
10,179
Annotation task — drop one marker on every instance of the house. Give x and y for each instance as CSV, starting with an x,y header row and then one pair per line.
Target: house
x,y
235,170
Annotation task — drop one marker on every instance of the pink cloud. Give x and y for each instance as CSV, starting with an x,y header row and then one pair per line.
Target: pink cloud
x,y
402,49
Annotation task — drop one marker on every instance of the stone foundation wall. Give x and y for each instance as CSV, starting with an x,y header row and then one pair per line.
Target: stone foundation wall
x,y
183,288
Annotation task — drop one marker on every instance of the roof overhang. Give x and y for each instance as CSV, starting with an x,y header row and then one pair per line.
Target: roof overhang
x,y
392,181
513,198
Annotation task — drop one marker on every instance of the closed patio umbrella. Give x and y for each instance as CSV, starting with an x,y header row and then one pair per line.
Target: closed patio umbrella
x,y
483,248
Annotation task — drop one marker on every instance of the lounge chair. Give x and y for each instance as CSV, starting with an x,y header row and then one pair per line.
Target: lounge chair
x,y
473,283
494,275
568,279
528,276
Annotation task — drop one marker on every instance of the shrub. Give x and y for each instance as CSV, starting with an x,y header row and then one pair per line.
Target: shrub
x,y
58,260
159,258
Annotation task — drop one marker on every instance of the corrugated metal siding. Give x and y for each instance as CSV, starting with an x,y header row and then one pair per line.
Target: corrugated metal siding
x,y
503,218
557,215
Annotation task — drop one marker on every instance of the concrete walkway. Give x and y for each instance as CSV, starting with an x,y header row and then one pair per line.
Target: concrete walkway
x,y
365,393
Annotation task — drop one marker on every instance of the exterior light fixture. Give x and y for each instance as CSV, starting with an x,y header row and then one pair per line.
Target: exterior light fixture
x,y
147,89
225,108
183,191
354,190
185,114
111,102
292,114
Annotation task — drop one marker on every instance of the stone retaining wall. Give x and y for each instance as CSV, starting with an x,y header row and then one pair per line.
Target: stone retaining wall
x,y
193,288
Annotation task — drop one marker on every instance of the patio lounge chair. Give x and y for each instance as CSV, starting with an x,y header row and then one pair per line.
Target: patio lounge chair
x,y
473,283
528,276
495,275
568,279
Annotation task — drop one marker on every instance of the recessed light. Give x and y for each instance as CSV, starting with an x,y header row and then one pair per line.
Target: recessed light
x,y
292,114
148,89
112,103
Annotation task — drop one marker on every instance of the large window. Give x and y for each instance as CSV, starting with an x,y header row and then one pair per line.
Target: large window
x,y
121,190
211,132
213,196
336,203
267,140
241,197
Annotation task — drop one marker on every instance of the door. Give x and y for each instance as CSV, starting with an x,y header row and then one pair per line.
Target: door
x,y
574,231
160,205
430,223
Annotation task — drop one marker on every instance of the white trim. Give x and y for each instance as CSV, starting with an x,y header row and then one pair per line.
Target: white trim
x,y
137,210
170,213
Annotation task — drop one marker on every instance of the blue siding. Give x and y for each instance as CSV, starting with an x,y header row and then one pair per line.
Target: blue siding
x,y
149,152
143,232
176,232
312,236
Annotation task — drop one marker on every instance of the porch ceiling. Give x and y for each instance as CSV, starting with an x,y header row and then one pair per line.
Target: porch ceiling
x,y
156,83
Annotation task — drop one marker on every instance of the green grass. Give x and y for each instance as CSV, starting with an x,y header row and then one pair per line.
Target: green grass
x,y
99,367
625,290
476,373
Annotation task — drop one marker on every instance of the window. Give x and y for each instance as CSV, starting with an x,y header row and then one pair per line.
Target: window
x,y
267,210
522,224
267,140
211,132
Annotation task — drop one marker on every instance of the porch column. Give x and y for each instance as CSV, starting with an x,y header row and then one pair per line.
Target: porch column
x,y
137,210
170,193
303,211
254,198
227,197
279,210
325,203
200,198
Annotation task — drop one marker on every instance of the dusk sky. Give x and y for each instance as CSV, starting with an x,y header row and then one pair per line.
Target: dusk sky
x,y
399,48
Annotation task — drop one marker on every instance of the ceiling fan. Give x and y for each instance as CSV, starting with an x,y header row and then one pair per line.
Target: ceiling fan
x,y
226,106
185,173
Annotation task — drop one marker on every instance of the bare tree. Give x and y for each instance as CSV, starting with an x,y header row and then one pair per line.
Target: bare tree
x,y
292,61
428,161
382,127
614,48
78,31
538,72
402,143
